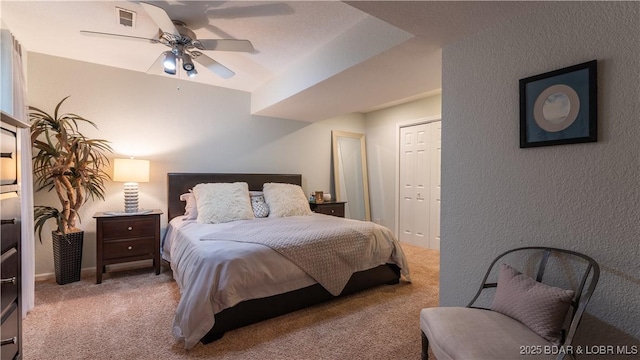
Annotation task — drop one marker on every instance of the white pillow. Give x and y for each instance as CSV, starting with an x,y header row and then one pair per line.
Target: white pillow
x,y
190,208
285,200
222,202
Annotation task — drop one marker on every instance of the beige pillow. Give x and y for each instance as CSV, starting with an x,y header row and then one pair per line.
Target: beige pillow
x,y
285,200
542,308
222,202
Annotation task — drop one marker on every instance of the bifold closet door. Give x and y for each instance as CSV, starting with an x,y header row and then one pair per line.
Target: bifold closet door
x,y
420,184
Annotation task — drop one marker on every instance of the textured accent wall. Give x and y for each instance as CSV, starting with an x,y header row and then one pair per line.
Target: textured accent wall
x,y
584,197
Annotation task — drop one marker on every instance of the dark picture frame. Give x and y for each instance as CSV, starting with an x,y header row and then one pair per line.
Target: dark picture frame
x,y
559,107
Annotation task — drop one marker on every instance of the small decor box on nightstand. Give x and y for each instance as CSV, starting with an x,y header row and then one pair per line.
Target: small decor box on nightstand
x,y
124,238
335,208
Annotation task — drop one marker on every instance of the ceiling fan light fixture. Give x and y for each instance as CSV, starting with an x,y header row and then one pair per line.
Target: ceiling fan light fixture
x,y
169,62
185,46
187,63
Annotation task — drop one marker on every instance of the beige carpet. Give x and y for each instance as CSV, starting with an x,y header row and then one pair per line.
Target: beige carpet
x,y
129,316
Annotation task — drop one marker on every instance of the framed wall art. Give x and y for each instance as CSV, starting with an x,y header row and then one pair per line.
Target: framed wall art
x,y
559,107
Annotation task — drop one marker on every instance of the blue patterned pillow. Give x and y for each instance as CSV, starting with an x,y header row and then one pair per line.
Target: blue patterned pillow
x,y
260,207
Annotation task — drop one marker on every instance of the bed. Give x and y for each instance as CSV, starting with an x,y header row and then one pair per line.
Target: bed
x,y
270,284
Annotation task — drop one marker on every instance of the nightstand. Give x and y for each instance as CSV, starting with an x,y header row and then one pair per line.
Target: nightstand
x,y
124,238
335,208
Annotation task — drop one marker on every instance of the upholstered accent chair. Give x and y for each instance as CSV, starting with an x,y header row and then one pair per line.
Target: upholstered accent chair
x,y
529,305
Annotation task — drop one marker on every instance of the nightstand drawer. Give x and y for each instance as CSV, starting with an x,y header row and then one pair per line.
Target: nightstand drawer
x,y
127,228
117,249
331,209
9,275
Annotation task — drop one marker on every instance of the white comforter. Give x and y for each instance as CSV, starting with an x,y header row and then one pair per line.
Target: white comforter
x,y
215,275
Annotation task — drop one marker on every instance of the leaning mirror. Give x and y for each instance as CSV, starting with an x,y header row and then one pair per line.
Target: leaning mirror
x,y
350,174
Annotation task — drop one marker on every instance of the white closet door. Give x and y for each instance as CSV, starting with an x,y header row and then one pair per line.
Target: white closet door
x,y
419,185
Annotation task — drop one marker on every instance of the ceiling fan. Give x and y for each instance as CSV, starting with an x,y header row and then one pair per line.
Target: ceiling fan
x,y
185,46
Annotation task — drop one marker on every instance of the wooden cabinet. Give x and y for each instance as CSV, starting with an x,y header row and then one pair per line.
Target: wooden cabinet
x,y
11,236
335,208
124,238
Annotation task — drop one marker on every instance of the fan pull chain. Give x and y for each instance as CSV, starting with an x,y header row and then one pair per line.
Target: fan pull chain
x,y
179,77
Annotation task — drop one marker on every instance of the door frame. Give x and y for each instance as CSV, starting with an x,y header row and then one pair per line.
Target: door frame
x,y
399,126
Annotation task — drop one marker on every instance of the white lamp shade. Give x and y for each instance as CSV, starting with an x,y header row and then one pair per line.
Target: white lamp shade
x,y
131,170
8,171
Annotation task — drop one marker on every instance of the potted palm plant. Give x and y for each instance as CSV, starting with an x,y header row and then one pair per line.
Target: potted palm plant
x,y
73,165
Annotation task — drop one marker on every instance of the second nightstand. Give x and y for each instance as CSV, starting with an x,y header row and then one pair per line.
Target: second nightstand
x,y
124,238
335,208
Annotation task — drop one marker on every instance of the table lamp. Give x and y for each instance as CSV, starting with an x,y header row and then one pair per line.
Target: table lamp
x,y
8,169
131,172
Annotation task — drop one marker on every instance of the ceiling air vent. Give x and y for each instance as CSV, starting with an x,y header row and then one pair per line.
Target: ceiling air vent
x,y
125,17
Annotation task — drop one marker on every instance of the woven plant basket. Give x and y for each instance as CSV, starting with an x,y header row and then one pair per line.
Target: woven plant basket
x,y
67,256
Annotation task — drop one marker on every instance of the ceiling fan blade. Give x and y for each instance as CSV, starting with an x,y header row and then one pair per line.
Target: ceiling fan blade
x,y
161,18
227,45
214,66
115,36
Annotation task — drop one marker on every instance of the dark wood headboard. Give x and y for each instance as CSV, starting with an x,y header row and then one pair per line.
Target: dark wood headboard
x,y
180,183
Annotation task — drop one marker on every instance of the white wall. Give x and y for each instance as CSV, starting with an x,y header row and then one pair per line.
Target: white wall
x,y
382,156
584,197
197,128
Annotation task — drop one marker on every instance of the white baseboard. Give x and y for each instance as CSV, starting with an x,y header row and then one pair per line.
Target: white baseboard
x,y
92,270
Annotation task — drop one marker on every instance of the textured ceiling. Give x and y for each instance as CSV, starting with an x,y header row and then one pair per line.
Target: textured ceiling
x,y
312,60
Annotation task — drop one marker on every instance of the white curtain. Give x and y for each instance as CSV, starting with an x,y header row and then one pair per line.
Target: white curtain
x,y
20,112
